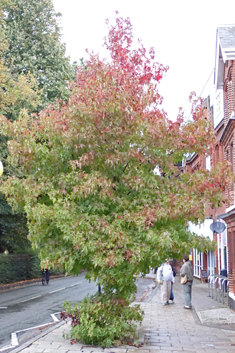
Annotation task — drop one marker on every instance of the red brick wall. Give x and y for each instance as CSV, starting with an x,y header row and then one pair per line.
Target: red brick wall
x,y
223,149
229,146
204,261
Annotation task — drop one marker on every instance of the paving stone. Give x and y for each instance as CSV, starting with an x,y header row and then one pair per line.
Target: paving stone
x,y
164,329
170,350
140,350
90,349
120,349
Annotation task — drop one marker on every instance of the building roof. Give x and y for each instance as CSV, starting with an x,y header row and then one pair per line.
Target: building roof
x,y
225,50
190,157
227,42
228,130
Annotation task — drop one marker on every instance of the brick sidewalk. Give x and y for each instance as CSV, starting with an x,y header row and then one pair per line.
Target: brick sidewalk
x,y
164,329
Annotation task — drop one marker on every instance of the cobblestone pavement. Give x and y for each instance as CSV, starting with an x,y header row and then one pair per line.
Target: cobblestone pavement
x,y
209,327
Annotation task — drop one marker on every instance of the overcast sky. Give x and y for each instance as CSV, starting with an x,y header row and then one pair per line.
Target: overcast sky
x,y
183,33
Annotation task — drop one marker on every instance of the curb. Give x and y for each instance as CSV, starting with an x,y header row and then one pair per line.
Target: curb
x,y
37,337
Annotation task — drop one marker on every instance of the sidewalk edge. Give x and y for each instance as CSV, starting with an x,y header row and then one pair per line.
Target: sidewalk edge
x,y
37,337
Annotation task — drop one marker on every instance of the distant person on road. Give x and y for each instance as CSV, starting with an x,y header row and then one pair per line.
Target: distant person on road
x,y
187,270
165,278
46,270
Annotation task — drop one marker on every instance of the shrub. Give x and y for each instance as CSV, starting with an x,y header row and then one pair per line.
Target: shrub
x,y
103,320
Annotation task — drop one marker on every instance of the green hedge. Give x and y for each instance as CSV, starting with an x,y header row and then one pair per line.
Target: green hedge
x,y
20,267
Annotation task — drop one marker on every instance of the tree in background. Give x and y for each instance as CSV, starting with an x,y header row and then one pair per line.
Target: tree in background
x,y
35,48
99,182
34,71
13,230
17,92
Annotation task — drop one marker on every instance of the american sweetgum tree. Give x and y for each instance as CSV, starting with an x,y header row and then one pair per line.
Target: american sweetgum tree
x,y
99,182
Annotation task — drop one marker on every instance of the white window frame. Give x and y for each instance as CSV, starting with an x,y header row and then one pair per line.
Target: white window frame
x,y
197,263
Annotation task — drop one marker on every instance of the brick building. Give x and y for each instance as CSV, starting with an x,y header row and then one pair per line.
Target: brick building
x,y
216,261
224,149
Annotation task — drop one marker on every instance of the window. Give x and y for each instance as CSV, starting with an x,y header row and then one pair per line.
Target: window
x,y
197,263
208,163
216,154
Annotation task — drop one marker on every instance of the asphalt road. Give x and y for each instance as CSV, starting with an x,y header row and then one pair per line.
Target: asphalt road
x,y
26,311
30,307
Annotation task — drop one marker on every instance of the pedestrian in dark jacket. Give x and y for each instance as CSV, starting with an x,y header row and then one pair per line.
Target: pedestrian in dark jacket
x,y
187,270
172,297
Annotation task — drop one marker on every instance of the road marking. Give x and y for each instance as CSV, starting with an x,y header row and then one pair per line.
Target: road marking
x,y
26,300
5,348
14,339
76,284
57,290
54,317
35,327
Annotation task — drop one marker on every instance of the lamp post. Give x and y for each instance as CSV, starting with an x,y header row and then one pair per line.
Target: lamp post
x,y
1,168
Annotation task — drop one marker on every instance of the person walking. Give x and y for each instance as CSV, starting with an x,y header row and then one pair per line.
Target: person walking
x,y
165,278
187,270
45,272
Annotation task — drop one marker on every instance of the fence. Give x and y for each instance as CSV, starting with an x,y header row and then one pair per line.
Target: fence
x,y
218,287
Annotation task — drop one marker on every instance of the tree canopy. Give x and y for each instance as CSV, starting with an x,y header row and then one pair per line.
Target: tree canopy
x,y
35,48
17,92
13,230
34,71
98,176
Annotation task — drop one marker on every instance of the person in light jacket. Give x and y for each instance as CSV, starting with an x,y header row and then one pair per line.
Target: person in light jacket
x,y
187,270
165,278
